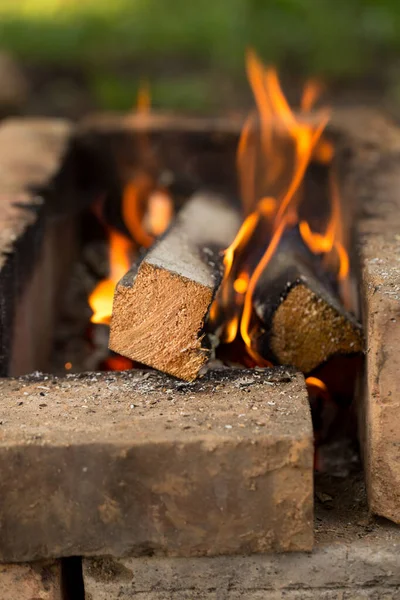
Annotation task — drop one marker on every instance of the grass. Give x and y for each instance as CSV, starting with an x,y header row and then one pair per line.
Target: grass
x,y
176,93
333,38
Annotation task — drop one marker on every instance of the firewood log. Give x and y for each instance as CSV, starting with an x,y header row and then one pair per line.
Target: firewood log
x,y
302,319
161,305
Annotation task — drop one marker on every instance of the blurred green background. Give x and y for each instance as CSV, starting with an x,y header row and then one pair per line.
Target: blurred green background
x,y
79,55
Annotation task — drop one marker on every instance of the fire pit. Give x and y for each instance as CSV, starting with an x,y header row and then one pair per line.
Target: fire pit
x,y
214,455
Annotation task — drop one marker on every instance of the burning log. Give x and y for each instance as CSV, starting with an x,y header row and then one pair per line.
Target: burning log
x,y
160,306
303,320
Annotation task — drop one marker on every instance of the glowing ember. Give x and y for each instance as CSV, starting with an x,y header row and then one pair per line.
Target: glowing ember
x,y
117,363
275,149
316,383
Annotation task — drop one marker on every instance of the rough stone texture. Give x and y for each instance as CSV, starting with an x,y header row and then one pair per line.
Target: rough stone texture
x,y
141,464
381,437
373,183
355,556
31,151
34,581
367,593
338,569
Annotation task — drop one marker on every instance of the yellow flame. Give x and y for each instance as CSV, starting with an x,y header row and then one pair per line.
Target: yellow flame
x,y
231,330
241,284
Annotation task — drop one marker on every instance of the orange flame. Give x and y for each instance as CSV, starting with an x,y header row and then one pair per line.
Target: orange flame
x,y
160,212
138,201
101,299
274,151
316,387
317,383
146,213
134,202
332,239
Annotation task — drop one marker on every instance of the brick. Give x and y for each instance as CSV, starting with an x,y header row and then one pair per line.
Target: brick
x,y
32,153
372,183
34,581
381,416
343,568
375,593
139,463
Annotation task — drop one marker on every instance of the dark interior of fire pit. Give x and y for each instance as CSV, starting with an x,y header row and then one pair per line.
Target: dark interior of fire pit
x,y
177,158
180,158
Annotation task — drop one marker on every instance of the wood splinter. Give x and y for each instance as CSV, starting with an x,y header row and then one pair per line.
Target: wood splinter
x,y
303,322
160,306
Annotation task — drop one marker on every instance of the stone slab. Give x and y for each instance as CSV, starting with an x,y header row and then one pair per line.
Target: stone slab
x,y
355,556
336,594
138,463
335,571
34,581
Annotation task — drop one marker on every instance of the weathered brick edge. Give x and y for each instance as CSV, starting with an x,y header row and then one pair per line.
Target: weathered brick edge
x,y
34,581
380,252
372,185
141,464
31,158
340,570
